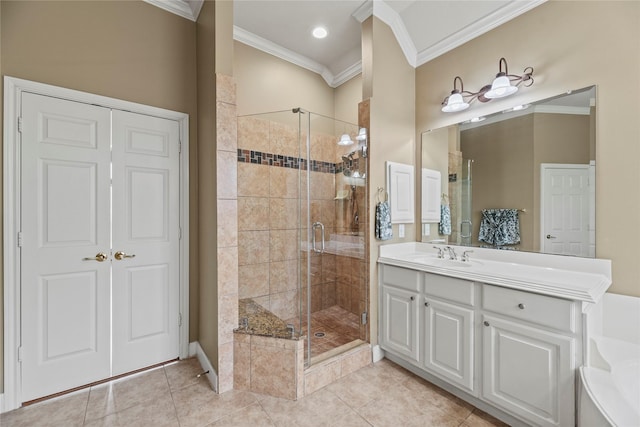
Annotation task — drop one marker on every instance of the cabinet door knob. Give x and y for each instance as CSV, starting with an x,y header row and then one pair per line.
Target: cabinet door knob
x,y
521,306
486,323
412,298
426,304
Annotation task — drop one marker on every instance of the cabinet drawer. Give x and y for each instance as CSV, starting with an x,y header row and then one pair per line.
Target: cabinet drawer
x,y
540,309
449,288
401,277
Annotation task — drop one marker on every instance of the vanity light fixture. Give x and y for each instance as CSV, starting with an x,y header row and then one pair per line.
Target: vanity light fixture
x,y
455,101
503,85
362,134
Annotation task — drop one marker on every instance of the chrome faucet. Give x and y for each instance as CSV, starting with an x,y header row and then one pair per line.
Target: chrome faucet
x,y
452,253
440,252
465,255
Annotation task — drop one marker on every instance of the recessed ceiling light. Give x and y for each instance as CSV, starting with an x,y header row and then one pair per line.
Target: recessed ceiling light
x,y
319,32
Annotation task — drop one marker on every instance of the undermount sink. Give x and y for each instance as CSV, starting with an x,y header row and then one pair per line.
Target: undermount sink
x,y
445,263
452,263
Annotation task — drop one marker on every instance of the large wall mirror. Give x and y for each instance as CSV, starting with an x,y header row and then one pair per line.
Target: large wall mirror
x,y
522,179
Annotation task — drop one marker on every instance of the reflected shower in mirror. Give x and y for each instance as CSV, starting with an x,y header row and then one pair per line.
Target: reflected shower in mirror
x,y
522,179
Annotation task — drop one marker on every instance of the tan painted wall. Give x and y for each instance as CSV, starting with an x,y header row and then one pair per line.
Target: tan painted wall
x,y
100,47
557,138
346,98
435,156
1,232
571,45
206,307
392,129
507,157
266,83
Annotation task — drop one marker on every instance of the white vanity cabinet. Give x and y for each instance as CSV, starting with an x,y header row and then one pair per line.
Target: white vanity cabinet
x,y
447,329
503,330
529,355
399,298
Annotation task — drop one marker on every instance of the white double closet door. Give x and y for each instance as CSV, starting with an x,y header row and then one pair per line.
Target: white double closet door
x,y
99,243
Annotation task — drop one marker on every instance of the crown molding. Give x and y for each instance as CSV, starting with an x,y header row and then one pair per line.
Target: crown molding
x,y
476,29
267,46
386,14
347,74
363,12
189,9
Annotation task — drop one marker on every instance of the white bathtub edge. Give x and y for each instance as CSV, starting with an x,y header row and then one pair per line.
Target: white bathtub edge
x,y
605,397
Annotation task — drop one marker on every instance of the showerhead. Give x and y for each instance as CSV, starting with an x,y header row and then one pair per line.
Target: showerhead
x,y
347,157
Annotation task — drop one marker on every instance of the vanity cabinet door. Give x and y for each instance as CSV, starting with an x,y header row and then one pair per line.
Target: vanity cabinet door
x,y
448,342
399,321
528,372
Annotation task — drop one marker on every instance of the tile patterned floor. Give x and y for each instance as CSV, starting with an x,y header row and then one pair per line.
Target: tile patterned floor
x,y
382,394
338,325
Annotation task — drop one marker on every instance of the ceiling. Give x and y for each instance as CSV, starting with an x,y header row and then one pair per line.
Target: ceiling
x,y
424,29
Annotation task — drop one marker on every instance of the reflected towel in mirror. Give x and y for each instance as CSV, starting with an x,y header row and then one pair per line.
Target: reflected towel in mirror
x,y
500,227
445,220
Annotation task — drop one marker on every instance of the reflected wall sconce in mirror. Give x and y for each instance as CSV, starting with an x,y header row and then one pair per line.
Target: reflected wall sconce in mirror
x,y
345,139
503,85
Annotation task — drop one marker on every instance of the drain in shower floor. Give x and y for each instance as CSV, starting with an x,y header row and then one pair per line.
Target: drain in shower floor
x,y
319,334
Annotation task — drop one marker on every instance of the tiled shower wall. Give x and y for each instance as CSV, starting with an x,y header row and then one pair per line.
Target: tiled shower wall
x,y
270,186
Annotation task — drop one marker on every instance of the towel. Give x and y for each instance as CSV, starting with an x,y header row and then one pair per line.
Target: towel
x,y
383,221
500,227
445,220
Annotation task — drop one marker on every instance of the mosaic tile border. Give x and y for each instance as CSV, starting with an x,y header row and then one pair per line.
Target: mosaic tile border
x,y
269,159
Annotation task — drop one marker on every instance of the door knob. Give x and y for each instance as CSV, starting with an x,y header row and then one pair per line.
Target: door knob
x,y
100,256
121,255
549,236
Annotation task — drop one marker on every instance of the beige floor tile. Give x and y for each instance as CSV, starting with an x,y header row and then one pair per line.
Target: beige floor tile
x,y
479,418
198,405
355,390
352,419
438,398
67,410
318,409
253,415
127,392
157,413
433,419
383,394
183,373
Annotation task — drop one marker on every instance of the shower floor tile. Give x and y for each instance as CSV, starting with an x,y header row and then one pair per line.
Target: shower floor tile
x,y
338,326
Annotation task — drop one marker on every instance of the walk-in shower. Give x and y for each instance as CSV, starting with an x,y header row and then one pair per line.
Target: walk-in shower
x,y
302,217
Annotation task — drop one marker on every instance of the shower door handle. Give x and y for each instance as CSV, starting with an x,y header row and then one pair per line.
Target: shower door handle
x,y
314,227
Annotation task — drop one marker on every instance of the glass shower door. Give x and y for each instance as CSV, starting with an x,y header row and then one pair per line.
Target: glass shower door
x,y
466,224
332,216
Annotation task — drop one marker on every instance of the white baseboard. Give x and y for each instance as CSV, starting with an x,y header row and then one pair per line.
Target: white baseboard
x,y
377,353
212,376
192,348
